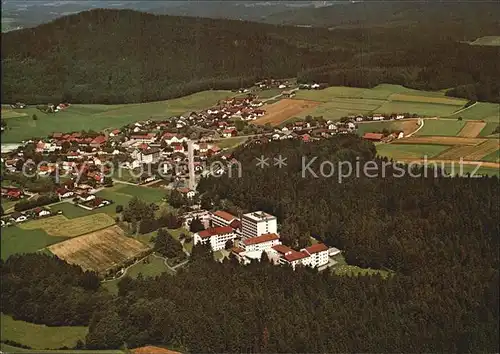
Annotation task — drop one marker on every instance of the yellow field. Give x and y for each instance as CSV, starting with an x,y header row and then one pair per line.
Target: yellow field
x,y
59,225
100,250
472,129
483,150
427,99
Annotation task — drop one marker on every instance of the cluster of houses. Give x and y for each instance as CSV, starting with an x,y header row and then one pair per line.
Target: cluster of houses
x,y
253,234
19,217
273,83
12,193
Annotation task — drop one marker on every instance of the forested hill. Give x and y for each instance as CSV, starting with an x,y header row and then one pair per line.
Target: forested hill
x,y
116,56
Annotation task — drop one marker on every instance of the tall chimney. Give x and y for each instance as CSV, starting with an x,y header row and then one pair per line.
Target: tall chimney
x,y
192,181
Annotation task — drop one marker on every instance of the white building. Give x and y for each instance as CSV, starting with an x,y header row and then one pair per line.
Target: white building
x,y
252,248
260,243
318,255
203,215
148,156
258,223
216,237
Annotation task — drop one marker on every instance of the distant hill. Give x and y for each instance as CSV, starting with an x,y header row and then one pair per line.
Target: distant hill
x,y
115,56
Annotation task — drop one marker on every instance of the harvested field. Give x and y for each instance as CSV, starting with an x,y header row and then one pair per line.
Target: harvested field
x,y
472,129
440,140
100,250
283,110
482,150
456,153
59,225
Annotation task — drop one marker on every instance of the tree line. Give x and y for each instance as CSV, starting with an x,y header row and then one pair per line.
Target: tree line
x,y
117,56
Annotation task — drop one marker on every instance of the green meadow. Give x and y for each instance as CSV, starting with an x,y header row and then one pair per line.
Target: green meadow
x,y
21,126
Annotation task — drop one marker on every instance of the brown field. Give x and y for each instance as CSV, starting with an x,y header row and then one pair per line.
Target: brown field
x,y
472,129
408,126
440,140
100,250
283,110
457,152
483,149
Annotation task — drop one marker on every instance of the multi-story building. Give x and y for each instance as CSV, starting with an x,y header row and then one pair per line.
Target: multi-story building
x,y
258,223
216,237
318,255
222,218
251,248
314,256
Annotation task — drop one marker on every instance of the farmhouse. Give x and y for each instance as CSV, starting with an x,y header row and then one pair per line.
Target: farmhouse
x,y
373,136
216,237
18,217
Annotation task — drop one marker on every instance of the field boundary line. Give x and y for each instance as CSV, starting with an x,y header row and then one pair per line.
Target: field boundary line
x,y
463,109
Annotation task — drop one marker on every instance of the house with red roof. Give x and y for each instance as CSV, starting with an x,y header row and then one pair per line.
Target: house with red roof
x,y
373,136
216,237
222,218
318,255
98,141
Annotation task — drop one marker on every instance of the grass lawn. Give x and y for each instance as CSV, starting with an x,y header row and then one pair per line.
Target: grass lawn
x,y
397,151
342,268
442,127
98,117
230,142
493,157
150,195
7,204
489,128
156,266
329,93
40,336
420,108
15,240
59,225
269,93
11,350
486,111
384,91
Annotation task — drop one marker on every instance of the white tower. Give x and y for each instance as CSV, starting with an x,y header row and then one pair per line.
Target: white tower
x,y
192,181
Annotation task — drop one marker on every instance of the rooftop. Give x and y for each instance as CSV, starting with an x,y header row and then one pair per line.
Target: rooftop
x,y
259,216
260,239
214,231
319,247
224,215
295,256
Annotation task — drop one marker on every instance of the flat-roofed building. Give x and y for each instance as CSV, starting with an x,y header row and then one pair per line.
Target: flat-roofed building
x,y
258,223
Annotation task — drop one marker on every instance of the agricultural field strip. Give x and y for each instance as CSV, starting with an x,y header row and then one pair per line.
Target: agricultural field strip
x,y
472,129
99,250
483,150
440,140
426,99
59,225
285,109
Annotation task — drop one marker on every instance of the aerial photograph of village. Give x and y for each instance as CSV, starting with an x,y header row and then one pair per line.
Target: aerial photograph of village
x,y
250,177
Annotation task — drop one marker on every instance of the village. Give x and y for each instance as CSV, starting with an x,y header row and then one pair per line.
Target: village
x,y
76,168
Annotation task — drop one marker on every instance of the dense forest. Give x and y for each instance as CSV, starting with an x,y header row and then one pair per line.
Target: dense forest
x,y
116,56
439,236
